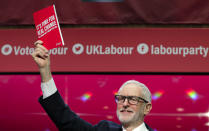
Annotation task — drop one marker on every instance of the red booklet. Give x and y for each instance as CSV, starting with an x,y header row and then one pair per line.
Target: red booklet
x,y
47,27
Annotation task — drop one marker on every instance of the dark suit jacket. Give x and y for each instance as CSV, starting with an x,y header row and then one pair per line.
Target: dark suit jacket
x,y
67,120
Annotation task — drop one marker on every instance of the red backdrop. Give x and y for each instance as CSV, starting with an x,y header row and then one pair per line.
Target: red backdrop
x,y
173,109
13,12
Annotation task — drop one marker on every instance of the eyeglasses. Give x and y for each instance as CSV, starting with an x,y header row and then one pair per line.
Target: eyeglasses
x,y
133,100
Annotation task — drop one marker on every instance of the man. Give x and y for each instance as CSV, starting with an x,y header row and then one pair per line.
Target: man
x,y
133,102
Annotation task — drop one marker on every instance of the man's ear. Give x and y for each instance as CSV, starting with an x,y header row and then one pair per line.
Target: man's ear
x,y
147,108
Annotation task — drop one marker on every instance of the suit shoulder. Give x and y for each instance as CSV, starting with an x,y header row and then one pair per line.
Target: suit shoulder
x,y
149,128
108,124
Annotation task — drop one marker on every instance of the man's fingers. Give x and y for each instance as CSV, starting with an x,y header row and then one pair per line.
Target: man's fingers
x,y
41,47
38,42
39,53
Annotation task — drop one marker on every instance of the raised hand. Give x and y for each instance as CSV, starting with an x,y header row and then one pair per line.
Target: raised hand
x,y
42,59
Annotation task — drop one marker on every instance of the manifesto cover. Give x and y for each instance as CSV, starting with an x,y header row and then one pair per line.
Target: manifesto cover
x,y
47,27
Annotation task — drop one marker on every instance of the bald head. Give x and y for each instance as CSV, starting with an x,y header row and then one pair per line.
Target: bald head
x,y
144,91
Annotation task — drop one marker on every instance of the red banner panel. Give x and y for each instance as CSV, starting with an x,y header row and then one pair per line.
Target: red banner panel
x,y
13,12
111,50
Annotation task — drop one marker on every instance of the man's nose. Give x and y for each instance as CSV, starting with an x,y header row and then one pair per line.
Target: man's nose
x,y
125,103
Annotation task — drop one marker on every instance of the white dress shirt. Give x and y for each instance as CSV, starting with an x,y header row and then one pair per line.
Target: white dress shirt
x,y
48,88
141,127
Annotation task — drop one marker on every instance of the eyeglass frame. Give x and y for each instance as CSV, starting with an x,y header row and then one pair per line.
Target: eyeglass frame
x,y
129,98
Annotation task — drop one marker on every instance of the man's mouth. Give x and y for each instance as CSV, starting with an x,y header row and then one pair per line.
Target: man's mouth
x,y
128,111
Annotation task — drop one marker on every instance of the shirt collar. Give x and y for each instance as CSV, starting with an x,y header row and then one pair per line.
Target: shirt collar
x,y
141,127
